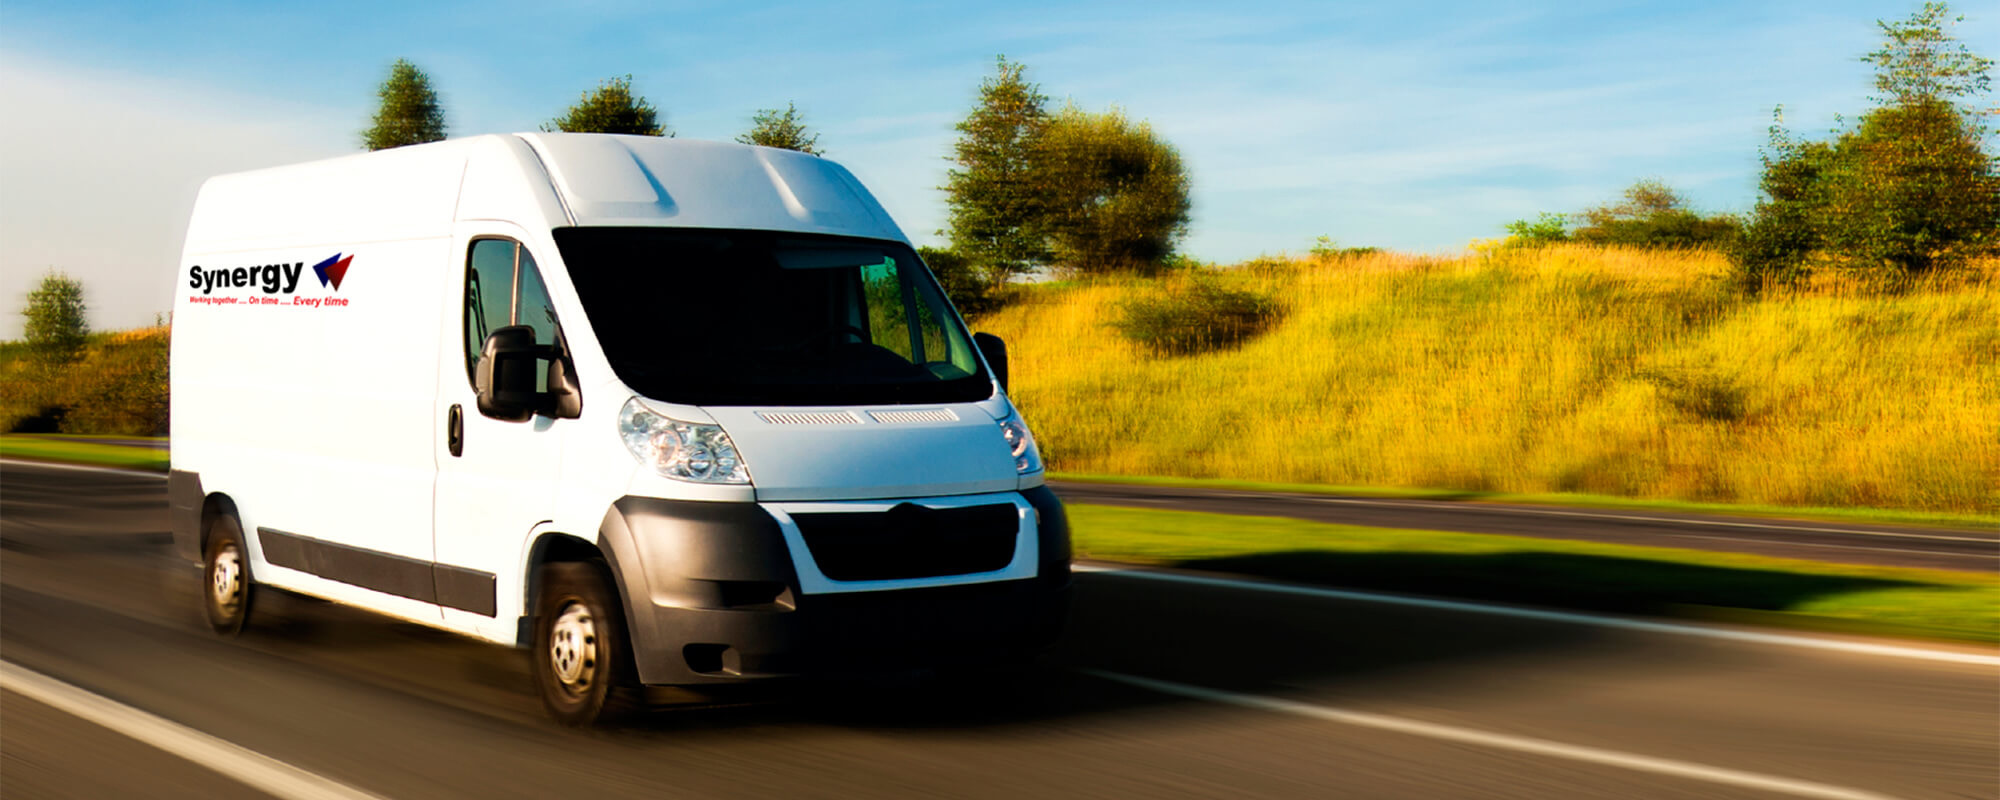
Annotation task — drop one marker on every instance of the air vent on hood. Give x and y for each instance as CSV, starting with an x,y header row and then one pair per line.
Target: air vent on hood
x,y
809,417
915,415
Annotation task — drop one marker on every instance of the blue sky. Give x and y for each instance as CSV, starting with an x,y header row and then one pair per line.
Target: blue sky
x,y
1416,126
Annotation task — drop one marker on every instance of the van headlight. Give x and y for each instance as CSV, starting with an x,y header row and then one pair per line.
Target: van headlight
x,y
1027,457
684,451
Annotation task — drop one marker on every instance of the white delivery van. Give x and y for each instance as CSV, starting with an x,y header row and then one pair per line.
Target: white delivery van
x,y
663,412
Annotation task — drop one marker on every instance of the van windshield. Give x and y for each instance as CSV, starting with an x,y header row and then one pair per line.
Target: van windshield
x,y
728,317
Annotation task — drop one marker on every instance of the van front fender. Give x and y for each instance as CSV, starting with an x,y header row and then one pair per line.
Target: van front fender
x,y
688,554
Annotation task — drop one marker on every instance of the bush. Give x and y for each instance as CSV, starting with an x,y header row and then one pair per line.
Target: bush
x,y
1326,249
1195,315
1652,214
1547,229
972,289
121,387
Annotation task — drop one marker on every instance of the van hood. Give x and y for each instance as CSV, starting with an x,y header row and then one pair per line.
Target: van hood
x,y
865,453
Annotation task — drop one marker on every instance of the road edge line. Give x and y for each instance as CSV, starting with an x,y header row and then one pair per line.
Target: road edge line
x,y
249,767
1572,617
1501,741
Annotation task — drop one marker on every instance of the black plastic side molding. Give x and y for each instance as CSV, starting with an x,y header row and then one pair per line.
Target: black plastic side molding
x,y
442,584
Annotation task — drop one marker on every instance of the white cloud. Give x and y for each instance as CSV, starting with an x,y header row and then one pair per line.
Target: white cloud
x,y
98,172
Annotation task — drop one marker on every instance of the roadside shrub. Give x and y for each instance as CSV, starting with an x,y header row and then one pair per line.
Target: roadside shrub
x,y
1652,214
1194,315
1326,249
970,288
121,386
1547,229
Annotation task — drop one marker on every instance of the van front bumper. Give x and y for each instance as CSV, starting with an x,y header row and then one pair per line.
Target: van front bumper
x,y
711,597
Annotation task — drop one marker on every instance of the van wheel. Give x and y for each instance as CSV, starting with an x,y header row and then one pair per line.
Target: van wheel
x,y
226,586
582,660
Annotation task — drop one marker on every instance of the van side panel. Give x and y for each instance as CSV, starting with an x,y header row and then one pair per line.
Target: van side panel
x,y
317,419
306,393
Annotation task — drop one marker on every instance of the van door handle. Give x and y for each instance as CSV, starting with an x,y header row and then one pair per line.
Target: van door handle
x,y
454,435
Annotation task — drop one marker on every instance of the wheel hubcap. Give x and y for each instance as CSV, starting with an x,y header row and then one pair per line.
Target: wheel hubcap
x,y
573,647
226,578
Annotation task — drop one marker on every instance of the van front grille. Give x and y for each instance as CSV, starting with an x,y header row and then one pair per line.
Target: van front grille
x,y
911,541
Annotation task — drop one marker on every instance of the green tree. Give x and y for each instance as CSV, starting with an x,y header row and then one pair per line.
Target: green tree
x,y
409,111
1920,60
1908,190
782,129
56,330
1117,194
611,108
996,205
1652,214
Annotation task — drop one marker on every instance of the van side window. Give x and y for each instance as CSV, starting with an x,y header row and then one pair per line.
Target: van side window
x,y
502,288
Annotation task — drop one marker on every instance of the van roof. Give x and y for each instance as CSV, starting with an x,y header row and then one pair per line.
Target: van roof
x,y
536,180
650,180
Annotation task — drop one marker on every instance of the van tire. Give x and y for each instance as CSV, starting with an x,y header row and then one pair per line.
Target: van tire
x,y
582,659
226,587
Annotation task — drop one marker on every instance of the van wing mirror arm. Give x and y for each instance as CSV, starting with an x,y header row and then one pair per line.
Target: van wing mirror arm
x,y
565,398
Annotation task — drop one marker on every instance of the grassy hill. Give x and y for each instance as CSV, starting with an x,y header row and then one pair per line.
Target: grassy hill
x,y
1569,369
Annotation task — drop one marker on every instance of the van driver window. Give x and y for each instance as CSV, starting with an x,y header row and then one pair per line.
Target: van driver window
x,y
502,288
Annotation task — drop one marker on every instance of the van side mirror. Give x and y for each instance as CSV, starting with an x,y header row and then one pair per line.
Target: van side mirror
x,y
505,379
995,351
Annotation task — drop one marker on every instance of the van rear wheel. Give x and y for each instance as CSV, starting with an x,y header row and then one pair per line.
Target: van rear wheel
x,y
226,585
582,660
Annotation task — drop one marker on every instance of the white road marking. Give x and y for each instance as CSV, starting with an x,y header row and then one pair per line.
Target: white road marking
x,y
253,769
1599,620
1501,741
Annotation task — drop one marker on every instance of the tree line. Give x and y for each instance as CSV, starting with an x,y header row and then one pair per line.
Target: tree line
x,y
1907,190
1030,188
408,112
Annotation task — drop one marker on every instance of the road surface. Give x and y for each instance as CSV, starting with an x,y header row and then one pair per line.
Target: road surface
x,y
1160,689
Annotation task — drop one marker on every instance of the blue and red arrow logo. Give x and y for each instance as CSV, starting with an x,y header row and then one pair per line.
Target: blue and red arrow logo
x,y
332,270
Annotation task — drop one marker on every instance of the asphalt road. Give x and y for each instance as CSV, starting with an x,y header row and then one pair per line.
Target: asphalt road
x,y
1266,695
1937,548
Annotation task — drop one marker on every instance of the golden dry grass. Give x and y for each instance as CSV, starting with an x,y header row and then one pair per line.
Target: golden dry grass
x,y
1611,371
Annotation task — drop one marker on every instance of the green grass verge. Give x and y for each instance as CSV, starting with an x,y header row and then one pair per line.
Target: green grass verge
x,y
81,450
1626,579
1884,516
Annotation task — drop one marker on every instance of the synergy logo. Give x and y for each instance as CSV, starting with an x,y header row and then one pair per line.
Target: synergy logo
x,y
280,282
332,270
